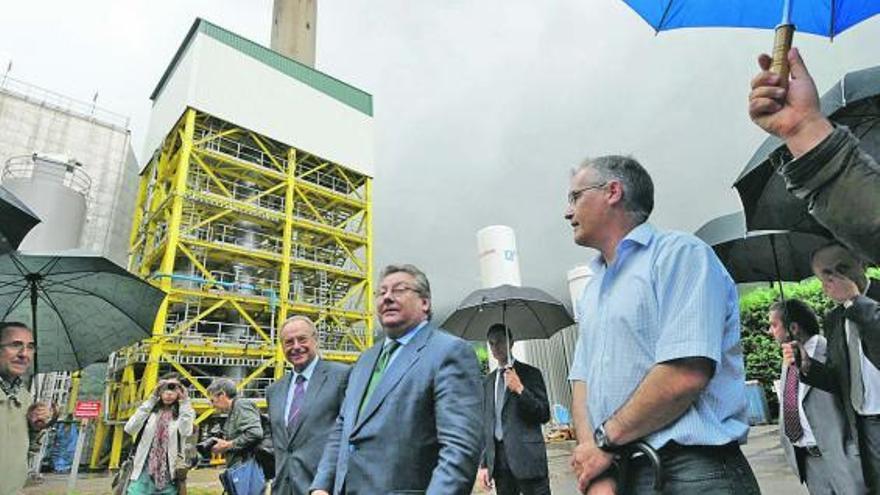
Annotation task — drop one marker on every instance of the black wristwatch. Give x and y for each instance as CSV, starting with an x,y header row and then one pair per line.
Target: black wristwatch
x,y
602,441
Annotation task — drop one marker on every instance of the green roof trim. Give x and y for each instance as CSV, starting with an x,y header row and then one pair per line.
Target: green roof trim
x,y
332,87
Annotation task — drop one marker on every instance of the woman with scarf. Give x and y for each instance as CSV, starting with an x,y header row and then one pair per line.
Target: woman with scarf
x,y
162,422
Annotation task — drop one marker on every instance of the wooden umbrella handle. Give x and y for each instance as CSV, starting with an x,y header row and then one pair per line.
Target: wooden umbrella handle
x,y
781,46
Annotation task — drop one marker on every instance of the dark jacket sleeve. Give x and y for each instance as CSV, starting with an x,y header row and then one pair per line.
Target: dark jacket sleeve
x,y
532,402
823,376
325,476
841,182
865,312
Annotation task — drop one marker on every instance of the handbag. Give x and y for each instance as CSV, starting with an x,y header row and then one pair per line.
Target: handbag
x,y
245,478
187,458
122,478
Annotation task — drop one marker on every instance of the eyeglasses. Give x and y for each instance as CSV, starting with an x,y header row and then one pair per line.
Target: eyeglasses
x,y
574,195
395,291
19,346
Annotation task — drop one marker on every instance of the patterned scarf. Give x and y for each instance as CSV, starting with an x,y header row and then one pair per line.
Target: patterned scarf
x,y
11,389
157,461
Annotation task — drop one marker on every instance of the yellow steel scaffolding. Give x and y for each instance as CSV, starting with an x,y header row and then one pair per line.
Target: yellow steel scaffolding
x,y
241,231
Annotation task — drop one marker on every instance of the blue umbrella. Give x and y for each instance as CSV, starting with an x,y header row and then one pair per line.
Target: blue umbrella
x,y
824,18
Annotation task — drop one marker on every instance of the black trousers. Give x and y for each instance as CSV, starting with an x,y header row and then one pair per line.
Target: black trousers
x,y
508,484
869,448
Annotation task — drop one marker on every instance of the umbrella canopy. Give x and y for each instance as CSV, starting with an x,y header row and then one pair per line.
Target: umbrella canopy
x,y
854,102
16,220
81,307
763,256
529,313
827,18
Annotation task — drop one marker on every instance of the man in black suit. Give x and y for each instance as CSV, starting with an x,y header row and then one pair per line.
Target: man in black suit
x,y
515,406
853,332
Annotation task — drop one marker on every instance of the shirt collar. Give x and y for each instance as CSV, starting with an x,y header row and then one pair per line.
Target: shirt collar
x,y
405,338
307,373
642,235
810,344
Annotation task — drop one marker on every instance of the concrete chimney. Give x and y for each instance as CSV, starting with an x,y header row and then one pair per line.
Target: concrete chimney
x,y
293,29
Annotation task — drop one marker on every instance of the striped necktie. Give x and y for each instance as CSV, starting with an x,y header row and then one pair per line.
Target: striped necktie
x,y
299,396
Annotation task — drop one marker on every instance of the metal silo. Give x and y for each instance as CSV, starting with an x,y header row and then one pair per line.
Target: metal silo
x,y
56,188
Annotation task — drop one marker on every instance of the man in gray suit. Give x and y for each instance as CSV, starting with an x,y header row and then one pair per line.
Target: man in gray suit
x,y
410,421
813,427
514,408
303,406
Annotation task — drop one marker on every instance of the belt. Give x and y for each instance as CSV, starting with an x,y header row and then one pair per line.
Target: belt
x,y
675,447
812,451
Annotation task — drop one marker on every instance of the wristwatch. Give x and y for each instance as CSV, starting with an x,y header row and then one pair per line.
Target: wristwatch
x,y
602,441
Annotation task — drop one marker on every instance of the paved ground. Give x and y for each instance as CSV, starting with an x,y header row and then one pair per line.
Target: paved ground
x,y
762,450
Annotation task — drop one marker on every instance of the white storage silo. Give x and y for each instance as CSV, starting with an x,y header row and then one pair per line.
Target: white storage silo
x,y
55,188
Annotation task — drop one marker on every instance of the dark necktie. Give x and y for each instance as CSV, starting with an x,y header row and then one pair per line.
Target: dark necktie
x,y
500,385
378,371
790,401
299,396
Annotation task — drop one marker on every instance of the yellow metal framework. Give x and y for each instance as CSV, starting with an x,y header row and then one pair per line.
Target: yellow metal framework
x,y
241,231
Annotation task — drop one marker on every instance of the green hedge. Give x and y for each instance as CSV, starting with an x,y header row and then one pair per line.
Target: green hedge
x,y
762,353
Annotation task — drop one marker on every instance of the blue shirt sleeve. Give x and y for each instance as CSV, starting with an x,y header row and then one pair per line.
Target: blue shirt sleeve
x,y
692,293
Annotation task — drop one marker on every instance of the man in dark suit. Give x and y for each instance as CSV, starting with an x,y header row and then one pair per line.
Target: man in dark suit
x,y
514,408
813,429
853,332
303,406
410,421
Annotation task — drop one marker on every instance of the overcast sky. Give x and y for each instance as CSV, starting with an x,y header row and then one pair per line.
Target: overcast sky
x,y
481,106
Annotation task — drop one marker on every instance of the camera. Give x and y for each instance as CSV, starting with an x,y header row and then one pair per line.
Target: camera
x,y
204,447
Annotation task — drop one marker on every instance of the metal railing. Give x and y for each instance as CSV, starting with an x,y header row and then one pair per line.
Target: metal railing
x,y
57,101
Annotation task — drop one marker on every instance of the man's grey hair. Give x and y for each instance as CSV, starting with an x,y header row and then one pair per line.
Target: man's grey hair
x,y
638,188
305,319
6,325
224,385
422,287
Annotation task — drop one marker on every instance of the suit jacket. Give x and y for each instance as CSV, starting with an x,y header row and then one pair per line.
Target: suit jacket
x,y
243,429
833,375
521,419
420,429
298,449
827,420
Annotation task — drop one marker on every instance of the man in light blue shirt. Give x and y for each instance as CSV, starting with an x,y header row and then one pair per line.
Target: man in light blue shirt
x,y
659,357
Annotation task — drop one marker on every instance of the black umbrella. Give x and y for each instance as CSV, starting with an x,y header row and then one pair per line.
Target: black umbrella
x,y
761,256
854,102
16,220
81,307
529,313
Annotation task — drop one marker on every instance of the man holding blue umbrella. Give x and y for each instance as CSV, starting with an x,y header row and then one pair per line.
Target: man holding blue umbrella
x,y
840,181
